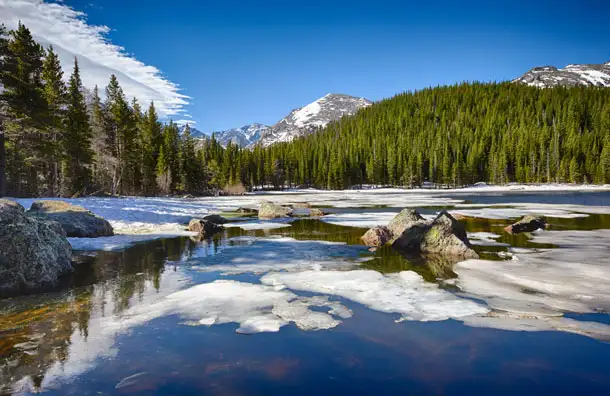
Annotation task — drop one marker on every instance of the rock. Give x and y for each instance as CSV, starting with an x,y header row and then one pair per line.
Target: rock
x,y
447,236
204,228
216,219
188,196
410,239
75,220
377,236
527,224
403,220
247,211
269,210
315,212
34,252
301,205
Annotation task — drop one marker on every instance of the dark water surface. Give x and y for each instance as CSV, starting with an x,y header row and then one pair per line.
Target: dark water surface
x,y
61,344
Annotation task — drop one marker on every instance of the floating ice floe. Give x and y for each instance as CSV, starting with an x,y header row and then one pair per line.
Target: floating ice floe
x,y
256,308
121,241
364,220
260,255
405,293
485,239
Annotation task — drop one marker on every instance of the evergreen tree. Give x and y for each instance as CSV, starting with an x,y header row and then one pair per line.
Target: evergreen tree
x,y
55,95
151,145
26,111
4,59
77,140
190,164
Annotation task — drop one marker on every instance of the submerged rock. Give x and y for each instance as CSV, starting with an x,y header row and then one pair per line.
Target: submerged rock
x,y
377,236
34,252
315,212
205,228
527,224
216,219
269,210
247,211
75,220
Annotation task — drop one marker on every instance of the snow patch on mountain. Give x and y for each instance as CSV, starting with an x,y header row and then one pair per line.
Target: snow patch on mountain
x,y
243,136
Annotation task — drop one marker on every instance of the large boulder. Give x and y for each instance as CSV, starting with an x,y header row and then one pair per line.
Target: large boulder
x,y
447,236
405,219
247,211
34,252
377,236
269,210
75,220
216,219
204,228
527,224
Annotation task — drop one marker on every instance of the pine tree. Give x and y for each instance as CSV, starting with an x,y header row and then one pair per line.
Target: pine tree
x,y
190,166
55,95
26,111
77,140
151,145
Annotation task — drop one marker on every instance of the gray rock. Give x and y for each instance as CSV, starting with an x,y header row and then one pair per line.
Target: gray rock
x,y
204,228
447,236
403,220
34,252
301,205
269,210
75,220
444,235
377,236
216,219
527,224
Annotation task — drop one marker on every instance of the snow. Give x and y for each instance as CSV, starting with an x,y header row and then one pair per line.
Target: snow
x,y
301,117
404,293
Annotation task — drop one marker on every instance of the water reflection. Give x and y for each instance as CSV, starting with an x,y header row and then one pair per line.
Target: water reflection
x,y
46,338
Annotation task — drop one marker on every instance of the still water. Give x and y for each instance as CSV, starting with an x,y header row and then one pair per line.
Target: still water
x,y
86,338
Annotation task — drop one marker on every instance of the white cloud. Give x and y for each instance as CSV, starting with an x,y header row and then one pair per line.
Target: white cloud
x,y
184,122
67,30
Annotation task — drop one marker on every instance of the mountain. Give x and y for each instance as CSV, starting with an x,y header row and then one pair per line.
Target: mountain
x,y
244,136
571,75
195,133
307,119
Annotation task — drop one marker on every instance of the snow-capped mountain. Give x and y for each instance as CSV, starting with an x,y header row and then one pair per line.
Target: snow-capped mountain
x,y
571,75
243,136
307,119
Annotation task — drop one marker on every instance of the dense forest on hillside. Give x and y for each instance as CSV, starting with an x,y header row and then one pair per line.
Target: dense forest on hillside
x,y
454,135
59,139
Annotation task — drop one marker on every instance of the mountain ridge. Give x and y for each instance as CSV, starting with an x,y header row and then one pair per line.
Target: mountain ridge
x,y
589,74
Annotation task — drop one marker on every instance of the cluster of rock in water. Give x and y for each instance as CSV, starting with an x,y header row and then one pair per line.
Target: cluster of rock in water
x,y
35,252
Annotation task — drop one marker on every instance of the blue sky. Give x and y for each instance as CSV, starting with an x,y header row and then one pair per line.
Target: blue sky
x,y
254,61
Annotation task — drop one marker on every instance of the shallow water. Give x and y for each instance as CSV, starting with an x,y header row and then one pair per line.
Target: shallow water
x,y
115,326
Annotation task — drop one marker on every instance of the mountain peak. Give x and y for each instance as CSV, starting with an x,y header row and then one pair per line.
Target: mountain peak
x,y
315,115
571,75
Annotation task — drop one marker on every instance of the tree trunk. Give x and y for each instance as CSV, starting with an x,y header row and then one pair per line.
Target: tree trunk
x,y
2,163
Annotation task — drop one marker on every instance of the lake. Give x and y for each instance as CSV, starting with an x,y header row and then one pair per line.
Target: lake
x,y
299,306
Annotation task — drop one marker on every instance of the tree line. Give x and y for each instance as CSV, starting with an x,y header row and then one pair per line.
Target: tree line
x,y
59,139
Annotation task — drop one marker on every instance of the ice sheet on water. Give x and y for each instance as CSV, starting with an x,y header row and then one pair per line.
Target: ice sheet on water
x,y
256,308
404,293
364,220
546,283
121,241
260,255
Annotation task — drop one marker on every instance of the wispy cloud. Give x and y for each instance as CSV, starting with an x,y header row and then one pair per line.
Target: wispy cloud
x,y
70,34
184,122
